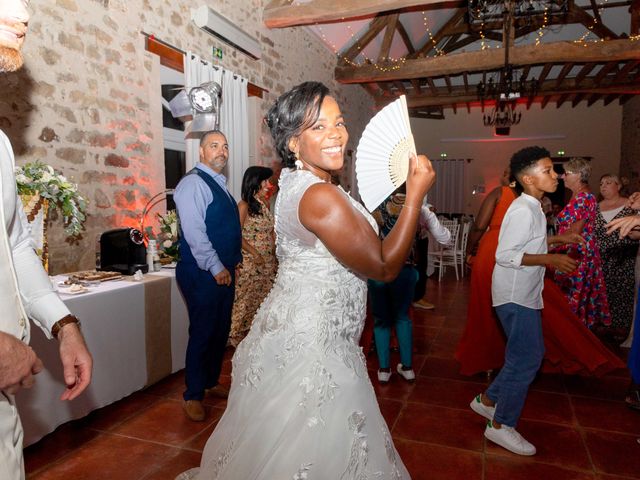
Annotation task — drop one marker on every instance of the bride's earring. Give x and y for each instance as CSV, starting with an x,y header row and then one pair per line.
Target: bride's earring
x,y
298,163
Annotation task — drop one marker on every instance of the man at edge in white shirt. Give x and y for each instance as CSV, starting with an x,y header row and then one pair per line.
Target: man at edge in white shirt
x,y
25,290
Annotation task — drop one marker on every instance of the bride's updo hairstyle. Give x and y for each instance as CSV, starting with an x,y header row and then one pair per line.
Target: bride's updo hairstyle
x,y
294,112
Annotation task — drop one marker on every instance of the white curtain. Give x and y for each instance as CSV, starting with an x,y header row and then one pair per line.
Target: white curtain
x,y
234,121
447,194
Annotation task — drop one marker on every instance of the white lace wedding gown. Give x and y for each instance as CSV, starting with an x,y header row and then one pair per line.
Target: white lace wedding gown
x,y
301,405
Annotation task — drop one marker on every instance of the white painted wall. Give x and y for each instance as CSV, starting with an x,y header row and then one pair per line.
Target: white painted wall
x,y
581,131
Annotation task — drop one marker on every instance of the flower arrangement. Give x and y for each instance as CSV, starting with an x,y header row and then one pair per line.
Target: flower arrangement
x,y
37,178
168,238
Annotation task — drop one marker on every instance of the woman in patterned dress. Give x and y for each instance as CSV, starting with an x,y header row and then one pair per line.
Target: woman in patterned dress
x,y
584,288
259,265
618,256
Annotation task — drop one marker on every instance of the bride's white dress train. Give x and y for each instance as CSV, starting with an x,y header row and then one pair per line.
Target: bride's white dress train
x,y
301,405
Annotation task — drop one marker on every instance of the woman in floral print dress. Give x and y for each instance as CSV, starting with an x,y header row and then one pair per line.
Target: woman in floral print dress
x,y
259,265
584,288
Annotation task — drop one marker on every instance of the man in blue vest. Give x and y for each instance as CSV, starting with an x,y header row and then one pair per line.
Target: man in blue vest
x,y
210,243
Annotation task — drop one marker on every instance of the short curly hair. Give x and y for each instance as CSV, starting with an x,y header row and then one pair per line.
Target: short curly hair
x,y
294,112
526,158
580,166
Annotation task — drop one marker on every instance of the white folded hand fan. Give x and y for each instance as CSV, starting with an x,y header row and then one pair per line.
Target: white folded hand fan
x,y
382,157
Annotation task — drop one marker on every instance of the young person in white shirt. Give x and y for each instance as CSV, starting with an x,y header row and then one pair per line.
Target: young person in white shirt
x,y
516,289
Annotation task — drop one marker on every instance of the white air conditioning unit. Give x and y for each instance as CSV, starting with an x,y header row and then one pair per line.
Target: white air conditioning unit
x,y
219,26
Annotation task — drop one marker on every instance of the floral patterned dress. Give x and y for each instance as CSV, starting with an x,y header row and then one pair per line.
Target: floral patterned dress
x,y
618,265
584,288
254,280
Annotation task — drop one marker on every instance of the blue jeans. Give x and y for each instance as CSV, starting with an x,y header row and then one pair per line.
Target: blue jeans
x,y
523,356
390,304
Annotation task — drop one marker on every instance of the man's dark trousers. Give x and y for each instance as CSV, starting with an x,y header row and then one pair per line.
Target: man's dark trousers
x,y
209,306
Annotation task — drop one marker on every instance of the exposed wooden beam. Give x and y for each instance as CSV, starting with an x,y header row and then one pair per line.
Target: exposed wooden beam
x,y
596,13
430,44
389,33
562,99
375,27
624,99
279,14
416,86
405,38
400,86
593,99
635,17
545,71
609,98
547,89
563,73
586,69
606,68
493,59
432,86
599,28
577,99
447,80
624,71
544,101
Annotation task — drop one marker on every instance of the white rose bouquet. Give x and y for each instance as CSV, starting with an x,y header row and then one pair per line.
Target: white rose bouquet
x,y
168,238
38,178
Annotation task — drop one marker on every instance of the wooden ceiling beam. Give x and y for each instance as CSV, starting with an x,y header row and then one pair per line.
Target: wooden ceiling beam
x,y
431,43
389,33
624,71
562,99
544,102
493,59
432,87
563,73
545,71
281,14
577,99
459,96
599,28
610,98
604,71
400,86
405,38
586,69
416,86
593,99
375,27
447,80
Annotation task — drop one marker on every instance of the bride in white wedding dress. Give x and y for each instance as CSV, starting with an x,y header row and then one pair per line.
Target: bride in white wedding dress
x,y
301,404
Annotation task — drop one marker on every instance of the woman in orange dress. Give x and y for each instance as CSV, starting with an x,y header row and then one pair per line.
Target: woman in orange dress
x,y
569,346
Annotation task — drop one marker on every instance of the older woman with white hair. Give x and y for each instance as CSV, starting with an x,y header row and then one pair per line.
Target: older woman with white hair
x,y
618,256
584,287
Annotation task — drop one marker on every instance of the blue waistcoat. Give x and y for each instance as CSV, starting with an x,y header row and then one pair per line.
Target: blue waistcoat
x,y
223,226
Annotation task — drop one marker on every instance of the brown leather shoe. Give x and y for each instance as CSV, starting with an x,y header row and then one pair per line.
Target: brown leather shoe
x,y
194,410
218,391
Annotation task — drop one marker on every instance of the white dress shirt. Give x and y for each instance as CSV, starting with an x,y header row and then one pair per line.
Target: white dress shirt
x,y
523,230
26,288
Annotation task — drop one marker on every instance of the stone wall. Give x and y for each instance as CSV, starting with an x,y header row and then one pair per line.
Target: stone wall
x,y
87,100
630,145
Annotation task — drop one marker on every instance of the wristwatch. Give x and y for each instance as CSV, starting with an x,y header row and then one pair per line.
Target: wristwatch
x,y
55,330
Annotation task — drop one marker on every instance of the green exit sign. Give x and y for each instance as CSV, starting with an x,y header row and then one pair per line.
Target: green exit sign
x,y
217,53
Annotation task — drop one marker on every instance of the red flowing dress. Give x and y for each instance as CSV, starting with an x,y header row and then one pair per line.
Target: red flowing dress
x,y
569,346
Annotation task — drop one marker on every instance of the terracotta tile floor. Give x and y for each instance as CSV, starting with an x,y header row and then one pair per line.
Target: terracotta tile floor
x,y
580,425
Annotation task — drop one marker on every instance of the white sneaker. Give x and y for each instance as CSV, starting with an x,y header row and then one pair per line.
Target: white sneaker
x,y
509,438
482,409
383,377
408,375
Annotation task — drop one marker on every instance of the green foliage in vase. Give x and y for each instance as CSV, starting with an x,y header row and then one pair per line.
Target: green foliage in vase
x,y
39,178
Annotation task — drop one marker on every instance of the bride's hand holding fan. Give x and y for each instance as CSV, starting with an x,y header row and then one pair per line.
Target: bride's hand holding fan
x,y
420,179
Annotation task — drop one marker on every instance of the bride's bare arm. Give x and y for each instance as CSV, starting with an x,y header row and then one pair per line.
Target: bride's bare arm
x,y
325,211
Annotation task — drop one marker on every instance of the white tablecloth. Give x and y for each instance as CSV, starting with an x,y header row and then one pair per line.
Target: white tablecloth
x,y
112,316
